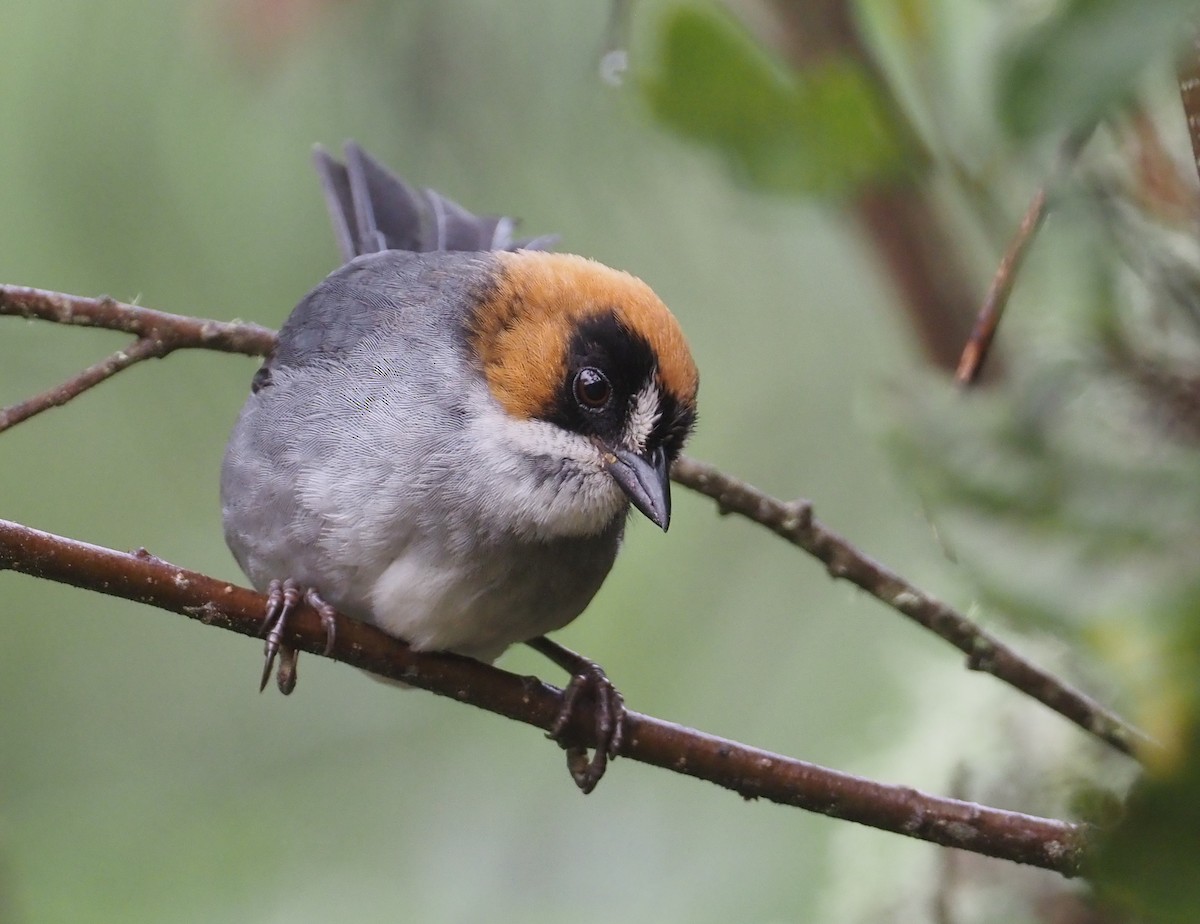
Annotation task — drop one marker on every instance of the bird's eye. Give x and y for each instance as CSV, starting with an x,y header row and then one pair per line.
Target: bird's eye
x,y
592,388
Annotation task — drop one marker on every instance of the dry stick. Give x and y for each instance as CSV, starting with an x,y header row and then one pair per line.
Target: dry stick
x,y
750,772
183,331
77,384
791,521
983,333
795,523
970,363
158,334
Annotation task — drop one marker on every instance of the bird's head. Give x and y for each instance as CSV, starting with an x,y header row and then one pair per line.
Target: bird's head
x,y
594,353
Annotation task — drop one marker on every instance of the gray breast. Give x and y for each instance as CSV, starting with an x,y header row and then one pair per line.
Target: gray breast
x,y
528,589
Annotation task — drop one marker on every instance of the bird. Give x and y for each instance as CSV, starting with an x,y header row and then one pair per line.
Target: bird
x,y
450,434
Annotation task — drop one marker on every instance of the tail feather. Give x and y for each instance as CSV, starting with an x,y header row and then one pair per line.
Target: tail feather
x,y
372,210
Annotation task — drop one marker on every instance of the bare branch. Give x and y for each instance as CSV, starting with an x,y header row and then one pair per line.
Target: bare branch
x,y
748,771
77,384
158,334
979,343
795,523
182,332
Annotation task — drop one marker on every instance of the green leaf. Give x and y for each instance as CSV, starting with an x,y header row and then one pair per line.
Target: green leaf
x,y
1147,864
825,131
1077,65
1074,516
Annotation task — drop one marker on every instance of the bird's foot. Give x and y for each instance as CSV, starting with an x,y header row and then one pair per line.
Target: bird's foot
x,y
282,599
593,684
589,684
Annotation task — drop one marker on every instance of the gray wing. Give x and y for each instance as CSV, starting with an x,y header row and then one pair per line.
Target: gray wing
x,y
389,233
373,210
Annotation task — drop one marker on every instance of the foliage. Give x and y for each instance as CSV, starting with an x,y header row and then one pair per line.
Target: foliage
x,y
1071,495
1083,523
821,131
1084,58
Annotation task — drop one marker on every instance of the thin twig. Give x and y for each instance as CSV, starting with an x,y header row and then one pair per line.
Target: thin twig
x,y
791,521
750,772
77,384
979,343
184,332
795,523
983,333
158,334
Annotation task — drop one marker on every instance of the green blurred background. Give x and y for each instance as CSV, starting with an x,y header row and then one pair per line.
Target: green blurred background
x,y
159,152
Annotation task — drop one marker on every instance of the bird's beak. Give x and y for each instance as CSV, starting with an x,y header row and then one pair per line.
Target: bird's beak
x,y
646,479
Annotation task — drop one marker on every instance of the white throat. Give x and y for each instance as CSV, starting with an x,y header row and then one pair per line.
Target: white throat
x,y
545,482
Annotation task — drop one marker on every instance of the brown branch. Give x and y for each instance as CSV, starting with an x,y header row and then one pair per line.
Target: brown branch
x,y
158,334
795,523
180,330
987,322
979,343
750,772
77,384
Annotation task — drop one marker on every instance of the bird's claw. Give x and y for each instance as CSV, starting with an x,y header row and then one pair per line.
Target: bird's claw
x,y
282,599
590,682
